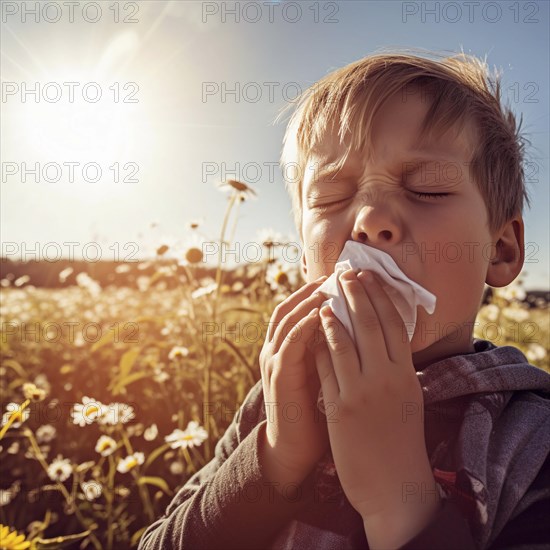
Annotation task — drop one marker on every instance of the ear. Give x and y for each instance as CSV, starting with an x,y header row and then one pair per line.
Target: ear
x,y
507,262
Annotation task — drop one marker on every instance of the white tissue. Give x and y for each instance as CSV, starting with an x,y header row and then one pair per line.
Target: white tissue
x,y
405,294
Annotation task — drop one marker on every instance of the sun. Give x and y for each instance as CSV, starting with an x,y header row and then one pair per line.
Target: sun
x,y
76,141
80,126
83,130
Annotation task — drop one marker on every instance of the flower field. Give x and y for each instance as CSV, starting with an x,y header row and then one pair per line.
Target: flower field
x,y
117,413
112,397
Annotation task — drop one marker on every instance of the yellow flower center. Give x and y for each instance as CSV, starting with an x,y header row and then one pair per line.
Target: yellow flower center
x,y
238,185
281,278
194,255
93,409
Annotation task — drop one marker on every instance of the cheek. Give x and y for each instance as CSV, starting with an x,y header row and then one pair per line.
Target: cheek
x,y
455,312
324,241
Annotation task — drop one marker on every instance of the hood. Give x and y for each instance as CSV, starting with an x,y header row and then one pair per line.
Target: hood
x,y
489,369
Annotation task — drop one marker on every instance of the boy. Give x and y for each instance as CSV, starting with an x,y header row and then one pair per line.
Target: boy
x,y
440,442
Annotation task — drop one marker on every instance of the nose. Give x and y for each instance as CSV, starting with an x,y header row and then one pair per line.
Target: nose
x,y
376,225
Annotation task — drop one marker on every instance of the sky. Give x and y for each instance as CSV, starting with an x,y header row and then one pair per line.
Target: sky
x,y
133,112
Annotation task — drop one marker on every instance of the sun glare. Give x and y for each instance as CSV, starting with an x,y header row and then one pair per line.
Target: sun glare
x,y
81,123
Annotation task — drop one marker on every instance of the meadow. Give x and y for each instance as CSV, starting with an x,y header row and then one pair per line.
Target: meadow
x,y
112,397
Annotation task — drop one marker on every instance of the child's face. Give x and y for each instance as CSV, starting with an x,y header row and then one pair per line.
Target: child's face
x,y
443,243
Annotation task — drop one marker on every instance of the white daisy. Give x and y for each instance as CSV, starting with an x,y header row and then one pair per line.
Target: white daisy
x,y
241,189
176,468
45,433
143,283
535,352
203,291
513,292
280,275
192,436
83,280
117,413
151,433
60,469
178,352
160,376
516,313
7,495
87,411
105,445
269,240
91,489
14,409
22,280
64,274
490,312
130,462
238,286
41,381
268,237
30,391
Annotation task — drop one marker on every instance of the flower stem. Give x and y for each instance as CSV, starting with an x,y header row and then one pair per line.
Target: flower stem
x,y
61,487
144,494
188,458
210,355
12,418
232,200
110,497
125,440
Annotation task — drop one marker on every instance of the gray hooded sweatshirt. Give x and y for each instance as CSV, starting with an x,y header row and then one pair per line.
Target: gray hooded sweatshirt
x,y
487,428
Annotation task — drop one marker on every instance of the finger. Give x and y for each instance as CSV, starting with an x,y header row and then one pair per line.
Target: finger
x,y
369,336
391,323
327,376
295,344
290,303
291,319
345,361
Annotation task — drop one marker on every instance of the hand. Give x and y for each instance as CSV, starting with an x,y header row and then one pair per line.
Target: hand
x,y
378,451
295,430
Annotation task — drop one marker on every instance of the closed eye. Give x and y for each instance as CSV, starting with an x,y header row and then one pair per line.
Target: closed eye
x,y
430,195
417,193
339,201
330,204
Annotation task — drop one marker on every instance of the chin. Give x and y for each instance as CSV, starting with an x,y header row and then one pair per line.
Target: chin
x,y
418,345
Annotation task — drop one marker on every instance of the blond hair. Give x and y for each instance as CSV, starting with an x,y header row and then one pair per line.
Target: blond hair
x,y
461,88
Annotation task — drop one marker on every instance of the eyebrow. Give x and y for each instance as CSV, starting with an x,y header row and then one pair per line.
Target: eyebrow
x,y
413,165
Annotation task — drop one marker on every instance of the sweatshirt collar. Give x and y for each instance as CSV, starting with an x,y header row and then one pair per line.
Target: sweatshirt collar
x,y
489,369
